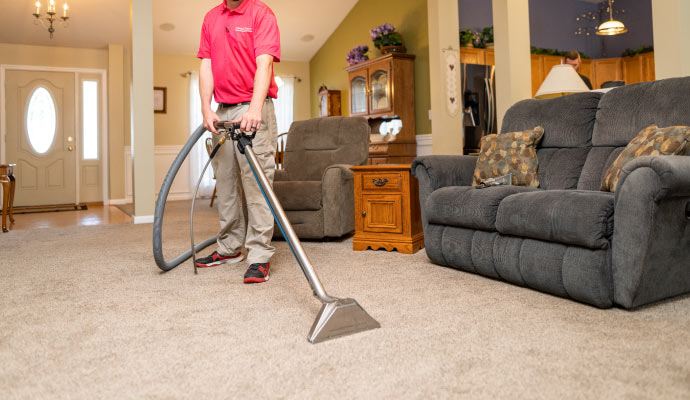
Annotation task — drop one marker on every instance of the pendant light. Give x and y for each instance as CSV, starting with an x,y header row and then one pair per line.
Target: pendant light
x,y
611,27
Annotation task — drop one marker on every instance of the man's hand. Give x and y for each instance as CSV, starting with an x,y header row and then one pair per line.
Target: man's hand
x,y
251,120
209,118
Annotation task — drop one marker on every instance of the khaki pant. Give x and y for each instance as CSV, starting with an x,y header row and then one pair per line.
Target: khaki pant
x,y
234,177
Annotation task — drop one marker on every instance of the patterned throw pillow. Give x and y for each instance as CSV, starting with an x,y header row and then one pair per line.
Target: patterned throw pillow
x,y
651,141
505,153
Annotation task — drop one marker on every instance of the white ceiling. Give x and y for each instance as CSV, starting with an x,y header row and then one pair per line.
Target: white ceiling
x,y
95,23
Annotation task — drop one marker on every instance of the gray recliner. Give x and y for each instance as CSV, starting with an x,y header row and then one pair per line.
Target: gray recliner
x,y
567,238
315,186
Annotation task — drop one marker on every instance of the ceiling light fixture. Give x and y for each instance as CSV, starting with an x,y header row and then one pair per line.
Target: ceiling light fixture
x,y
51,16
611,27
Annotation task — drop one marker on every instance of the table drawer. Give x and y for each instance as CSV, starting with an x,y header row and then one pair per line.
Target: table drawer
x,y
382,181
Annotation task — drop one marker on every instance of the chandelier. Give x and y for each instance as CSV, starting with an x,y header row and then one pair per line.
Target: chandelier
x,y
611,27
48,21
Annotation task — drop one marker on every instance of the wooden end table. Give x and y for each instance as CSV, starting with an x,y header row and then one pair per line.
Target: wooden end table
x,y
8,183
387,212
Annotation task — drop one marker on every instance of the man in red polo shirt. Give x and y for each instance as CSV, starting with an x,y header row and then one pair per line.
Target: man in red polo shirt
x,y
239,43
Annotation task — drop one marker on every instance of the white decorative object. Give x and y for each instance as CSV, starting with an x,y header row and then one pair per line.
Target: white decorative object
x,y
451,66
561,80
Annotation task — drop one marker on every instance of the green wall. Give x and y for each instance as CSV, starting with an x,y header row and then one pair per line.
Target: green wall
x,y
410,19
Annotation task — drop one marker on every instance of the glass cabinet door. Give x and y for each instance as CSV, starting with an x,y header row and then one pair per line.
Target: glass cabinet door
x,y
358,95
380,88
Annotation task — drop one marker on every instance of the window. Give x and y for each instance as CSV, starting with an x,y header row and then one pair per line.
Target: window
x,y
41,120
284,105
90,107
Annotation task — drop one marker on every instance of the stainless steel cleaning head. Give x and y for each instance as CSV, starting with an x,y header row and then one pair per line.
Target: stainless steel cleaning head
x,y
340,317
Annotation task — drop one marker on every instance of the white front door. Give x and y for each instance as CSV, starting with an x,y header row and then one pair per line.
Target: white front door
x,y
41,136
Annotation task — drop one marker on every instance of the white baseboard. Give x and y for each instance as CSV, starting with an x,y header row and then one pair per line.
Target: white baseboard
x,y
119,202
424,147
143,219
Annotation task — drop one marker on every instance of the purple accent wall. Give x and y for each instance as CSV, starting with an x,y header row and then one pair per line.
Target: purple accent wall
x,y
552,23
475,14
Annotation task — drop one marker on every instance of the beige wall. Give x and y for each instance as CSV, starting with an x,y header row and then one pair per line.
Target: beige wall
x,y
172,128
49,56
302,89
671,33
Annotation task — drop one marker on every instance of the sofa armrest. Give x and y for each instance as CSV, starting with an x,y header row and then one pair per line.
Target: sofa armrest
x,y
435,172
445,170
666,176
651,237
280,175
338,200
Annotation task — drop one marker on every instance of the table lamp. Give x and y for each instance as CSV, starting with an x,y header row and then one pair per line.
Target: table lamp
x,y
561,80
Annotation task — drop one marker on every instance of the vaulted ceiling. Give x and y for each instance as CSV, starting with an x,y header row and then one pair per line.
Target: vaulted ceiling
x,y
304,24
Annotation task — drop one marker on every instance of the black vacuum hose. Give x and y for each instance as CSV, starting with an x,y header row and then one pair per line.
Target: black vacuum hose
x,y
160,208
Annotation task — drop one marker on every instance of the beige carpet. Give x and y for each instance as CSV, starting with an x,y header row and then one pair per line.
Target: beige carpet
x,y
86,314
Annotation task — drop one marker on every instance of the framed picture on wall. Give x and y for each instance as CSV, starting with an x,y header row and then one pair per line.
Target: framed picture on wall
x,y
160,100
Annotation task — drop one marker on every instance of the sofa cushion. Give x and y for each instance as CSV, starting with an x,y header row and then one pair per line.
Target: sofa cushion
x,y
298,195
509,153
576,217
568,121
598,161
560,168
651,141
626,110
469,207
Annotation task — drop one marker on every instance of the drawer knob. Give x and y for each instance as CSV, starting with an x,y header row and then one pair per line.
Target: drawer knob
x,y
364,213
380,182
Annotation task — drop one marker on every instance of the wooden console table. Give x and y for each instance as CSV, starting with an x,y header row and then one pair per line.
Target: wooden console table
x,y
387,212
8,183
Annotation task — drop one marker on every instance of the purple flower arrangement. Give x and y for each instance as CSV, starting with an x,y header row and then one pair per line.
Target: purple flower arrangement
x,y
357,54
385,35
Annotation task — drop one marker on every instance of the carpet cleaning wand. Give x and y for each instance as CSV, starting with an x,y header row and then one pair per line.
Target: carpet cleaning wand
x,y
337,317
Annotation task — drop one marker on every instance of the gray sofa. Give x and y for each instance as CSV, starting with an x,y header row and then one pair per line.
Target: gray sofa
x,y
567,238
315,186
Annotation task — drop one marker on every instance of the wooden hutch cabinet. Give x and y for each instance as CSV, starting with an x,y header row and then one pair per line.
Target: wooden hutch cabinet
x,y
382,90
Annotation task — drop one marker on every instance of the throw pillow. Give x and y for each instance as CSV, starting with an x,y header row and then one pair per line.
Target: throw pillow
x,y
509,153
651,141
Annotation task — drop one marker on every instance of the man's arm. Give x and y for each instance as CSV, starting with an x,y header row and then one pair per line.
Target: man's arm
x,y
206,93
251,120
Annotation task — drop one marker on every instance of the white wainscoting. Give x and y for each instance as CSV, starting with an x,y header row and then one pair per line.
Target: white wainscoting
x,y
181,188
424,145
163,157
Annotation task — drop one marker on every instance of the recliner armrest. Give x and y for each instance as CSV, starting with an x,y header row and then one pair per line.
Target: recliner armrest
x,y
338,200
672,175
650,244
445,170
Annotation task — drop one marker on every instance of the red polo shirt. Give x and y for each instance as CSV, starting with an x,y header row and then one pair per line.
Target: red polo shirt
x,y
233,39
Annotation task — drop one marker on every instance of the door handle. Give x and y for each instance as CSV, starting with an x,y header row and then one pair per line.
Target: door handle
x,y
70,148
364,213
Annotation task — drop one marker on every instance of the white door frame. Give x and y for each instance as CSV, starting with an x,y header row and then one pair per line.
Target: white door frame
x,y
105,179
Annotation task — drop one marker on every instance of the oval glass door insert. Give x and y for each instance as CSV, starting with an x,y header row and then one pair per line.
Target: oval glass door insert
x,y
41,120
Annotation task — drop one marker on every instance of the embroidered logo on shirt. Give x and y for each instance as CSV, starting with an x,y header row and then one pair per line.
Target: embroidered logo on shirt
x,y
240,29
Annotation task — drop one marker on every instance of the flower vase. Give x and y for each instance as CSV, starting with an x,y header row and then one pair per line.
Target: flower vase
x,y
392,49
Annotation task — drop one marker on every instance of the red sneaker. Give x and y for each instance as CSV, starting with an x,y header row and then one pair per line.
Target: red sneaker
x,y
216,259
257,273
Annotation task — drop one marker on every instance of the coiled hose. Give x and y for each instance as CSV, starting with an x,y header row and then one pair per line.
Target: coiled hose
x,y
160,208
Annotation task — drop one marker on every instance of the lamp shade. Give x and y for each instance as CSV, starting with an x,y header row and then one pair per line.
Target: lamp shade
x,y
561,80
611,27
